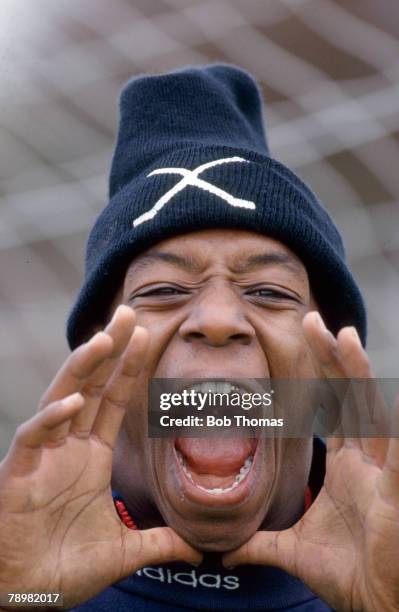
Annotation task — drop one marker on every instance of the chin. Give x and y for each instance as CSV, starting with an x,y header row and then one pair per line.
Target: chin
x,y
216,538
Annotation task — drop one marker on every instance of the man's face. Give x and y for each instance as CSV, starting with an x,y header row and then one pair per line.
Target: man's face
x,y
217,304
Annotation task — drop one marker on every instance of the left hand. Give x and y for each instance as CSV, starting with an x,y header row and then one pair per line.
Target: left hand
x,y
346,546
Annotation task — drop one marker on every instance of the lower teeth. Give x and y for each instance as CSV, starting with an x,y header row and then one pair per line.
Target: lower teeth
x,y
217,491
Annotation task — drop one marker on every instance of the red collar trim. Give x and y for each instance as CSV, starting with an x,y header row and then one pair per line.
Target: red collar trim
x,y
124,514
129,522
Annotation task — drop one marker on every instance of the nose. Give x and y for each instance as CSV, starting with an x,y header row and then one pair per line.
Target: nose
x,y
217,319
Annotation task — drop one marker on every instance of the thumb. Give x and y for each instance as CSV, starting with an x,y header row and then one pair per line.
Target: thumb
x,y
275,548
159,545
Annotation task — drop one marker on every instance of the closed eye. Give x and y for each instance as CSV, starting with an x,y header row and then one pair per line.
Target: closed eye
x,y
165,291
268,293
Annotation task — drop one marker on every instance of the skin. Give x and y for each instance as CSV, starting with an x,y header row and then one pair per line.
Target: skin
x,y
216,303
57,517
345,548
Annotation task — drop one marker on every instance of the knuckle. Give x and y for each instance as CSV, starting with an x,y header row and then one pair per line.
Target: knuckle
x,y
94,391
116,402
80,433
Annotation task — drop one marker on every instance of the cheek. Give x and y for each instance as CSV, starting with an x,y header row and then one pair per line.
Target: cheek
x,y
135,422
293,468
163,329
286,349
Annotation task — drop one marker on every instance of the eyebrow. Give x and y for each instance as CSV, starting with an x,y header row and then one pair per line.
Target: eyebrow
x,y
271,258
183,262
189,264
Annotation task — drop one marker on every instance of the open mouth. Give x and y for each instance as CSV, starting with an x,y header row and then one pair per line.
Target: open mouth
x,y
216,470
210,465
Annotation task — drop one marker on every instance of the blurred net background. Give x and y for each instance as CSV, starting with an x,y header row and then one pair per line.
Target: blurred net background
x,y
329,71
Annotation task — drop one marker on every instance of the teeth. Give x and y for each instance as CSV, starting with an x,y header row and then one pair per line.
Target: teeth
x,y
216,387
244,470
225,387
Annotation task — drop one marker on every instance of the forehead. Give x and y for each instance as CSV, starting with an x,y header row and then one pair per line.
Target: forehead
x,y
239,250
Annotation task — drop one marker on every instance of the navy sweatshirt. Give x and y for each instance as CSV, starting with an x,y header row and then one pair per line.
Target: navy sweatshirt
x,y
179,586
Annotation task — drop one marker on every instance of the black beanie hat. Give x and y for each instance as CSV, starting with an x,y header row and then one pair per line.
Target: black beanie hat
x,y
191,154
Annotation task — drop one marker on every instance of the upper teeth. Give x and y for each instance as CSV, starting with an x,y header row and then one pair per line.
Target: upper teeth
x,y
215,387
244,470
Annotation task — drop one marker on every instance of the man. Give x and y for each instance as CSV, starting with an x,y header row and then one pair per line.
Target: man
x,y
211,260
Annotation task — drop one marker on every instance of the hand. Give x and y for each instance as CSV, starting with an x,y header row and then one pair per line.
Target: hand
x,y
59,530
346,546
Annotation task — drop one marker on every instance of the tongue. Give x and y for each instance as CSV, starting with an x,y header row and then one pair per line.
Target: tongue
x,y
218,456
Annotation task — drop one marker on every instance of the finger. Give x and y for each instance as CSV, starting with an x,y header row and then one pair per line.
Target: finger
x,y
352,356
159,545
324,348
323,345
120,389
366,395
120,329
25,452
341,357
77,368
388,482
345,357
275,548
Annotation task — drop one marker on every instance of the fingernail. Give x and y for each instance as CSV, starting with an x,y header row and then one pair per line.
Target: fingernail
x,y
319,320
354,334
108,327
330,337
74,399
116,313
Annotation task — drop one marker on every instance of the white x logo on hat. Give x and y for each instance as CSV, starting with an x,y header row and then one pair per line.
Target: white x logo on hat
x,y
191,177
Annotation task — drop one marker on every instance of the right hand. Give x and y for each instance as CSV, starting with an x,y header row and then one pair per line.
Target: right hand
x,y
59,530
